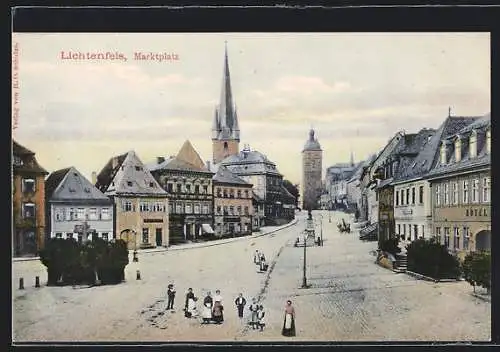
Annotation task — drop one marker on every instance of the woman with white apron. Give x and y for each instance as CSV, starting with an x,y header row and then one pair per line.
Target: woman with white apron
x,y
206,314
289,321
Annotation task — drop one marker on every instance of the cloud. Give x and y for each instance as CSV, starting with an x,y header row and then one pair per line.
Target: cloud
x,y
309,85
357,90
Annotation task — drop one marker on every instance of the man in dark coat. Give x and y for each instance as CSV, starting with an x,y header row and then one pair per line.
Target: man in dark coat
x,y
240,303
171,296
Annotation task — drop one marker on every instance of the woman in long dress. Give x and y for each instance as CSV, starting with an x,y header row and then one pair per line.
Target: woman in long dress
x,y
254,308
207,308
191,308
289,321
261,317
217,314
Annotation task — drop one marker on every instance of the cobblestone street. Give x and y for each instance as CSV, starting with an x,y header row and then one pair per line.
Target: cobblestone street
x,y
350,297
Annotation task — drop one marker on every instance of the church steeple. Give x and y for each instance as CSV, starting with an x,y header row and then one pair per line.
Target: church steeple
x,y
352,158
225,124
225,127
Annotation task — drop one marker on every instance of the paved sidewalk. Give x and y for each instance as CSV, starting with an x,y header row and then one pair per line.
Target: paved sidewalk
x,y
267,230
263,231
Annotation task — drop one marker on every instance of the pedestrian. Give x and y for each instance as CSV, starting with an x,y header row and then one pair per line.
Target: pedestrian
x,y
171,296
260,318
218,315
189,304
254,307
289,321
262,264
207,308
240,303
256,257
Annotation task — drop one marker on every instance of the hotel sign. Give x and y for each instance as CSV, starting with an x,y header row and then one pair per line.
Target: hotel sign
x,y
407,211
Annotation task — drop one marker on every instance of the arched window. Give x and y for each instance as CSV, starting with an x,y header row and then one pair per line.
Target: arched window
x,y
225,145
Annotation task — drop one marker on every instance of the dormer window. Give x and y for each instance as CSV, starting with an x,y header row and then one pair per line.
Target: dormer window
x,y
473,144
488,140
443,152
458,149
18,161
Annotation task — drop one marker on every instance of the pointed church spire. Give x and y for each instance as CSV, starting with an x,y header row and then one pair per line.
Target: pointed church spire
x,y
352,158
227,119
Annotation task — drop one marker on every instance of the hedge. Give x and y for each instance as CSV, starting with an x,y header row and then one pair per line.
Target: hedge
x,y
430,258
91,262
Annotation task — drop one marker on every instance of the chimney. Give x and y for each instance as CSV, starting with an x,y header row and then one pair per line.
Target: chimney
x,y
208,165
160,159
94,177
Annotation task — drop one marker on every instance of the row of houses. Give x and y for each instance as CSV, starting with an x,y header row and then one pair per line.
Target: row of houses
x,y
171,200
433,183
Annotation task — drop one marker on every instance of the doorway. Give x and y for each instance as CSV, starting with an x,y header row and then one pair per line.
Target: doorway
x,y
159,236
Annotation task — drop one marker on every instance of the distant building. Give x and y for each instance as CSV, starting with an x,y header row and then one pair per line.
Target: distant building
x,y
461,188
398,160
312,168
336,179
352,186
256,169
225,128
189,186
76,208
140,204
28,202
233,209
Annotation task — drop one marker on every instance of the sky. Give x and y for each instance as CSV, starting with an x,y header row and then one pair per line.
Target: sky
x,y
355,89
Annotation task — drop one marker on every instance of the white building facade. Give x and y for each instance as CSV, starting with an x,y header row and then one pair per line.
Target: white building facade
x,y
76,208
81,221
413,209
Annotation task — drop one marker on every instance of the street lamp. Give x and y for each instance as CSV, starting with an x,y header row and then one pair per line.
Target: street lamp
x,y
135,258
309,229
321,229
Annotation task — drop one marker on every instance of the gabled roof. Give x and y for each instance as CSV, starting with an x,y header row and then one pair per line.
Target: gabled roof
x,y
250,162
29,162
428,156
286,193
19,150
224,175
189,155
483,158
175,164
70,185
128,176
187,159
54,180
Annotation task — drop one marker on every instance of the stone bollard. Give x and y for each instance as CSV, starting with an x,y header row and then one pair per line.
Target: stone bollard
x,y
21,283
138,275
37,281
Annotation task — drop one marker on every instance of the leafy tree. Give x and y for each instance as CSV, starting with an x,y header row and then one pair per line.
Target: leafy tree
x,y
293,189
477,269
71,262
390,245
